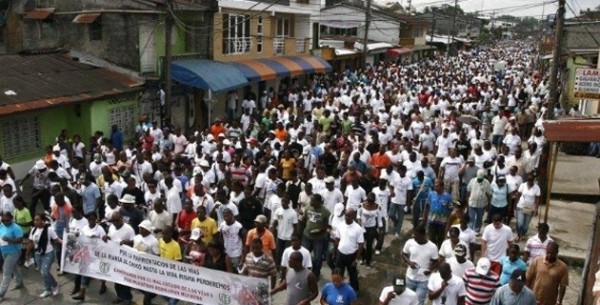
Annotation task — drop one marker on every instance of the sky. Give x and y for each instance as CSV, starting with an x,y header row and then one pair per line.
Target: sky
x,y
521,8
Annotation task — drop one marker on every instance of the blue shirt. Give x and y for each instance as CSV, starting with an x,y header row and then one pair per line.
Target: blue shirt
x,y
90,195
116,138
508,267
338,296
499,195
11,231
421,194
440,207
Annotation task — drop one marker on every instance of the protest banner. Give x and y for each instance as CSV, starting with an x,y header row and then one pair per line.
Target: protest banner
x,y
108,261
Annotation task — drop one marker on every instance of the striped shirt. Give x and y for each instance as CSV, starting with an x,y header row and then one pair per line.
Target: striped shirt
x,y
536,247
261,267
480,288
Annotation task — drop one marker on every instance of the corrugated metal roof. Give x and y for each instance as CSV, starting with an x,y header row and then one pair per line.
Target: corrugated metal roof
x,y
40,13
86,18
40,81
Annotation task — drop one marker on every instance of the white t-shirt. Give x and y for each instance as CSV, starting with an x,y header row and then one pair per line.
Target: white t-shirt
x,y
331,198
35,235
382,199
124,233
231,238
75,225
96,231
443,145
148,244
528,195
451,167
355,197
454,290
306,258
408,297
286,219
350,235
499,124
401,186
497,241
422,255
447,251
459,269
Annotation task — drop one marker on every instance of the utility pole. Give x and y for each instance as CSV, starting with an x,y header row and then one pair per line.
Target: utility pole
x,y
167,64
454,22
432,25
554,96
409,4
366,36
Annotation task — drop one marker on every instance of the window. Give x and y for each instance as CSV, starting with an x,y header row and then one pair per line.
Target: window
x,y
193,36
124,118
259,34
20,135
46,29
337,31
236,34
95,29
283,27
417,32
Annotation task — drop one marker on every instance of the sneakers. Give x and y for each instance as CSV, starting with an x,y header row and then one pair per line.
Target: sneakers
x,y
55,290
29,262
45,294
397,235
377,252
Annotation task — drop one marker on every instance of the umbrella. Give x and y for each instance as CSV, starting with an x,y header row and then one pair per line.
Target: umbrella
x,y
468,119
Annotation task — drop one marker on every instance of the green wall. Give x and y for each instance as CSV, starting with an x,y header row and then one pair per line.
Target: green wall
x,y
572,65
100,113
178,48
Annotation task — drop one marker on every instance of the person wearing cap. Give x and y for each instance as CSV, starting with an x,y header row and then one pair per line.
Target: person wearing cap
x,y
480,193
515,292
459,262
500,198
41,186
398,294
481,282
262,233
120,233
331,195
548,277
444,288
131,214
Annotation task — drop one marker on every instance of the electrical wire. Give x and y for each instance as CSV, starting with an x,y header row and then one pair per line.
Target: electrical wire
x,y
584,26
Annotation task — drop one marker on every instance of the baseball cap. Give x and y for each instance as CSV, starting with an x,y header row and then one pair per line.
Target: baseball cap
x,y
204,163
261,219
471,159
483,266
481,173
399,281
146,224
329,179
518,275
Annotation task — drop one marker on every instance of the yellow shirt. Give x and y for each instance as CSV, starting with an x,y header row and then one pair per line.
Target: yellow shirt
x,y
208,227
170,250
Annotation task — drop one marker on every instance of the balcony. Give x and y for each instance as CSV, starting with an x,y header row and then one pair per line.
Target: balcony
x,y
289,46
237,45
278,45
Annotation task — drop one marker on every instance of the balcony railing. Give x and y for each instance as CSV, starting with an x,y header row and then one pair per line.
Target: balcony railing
x,y
278,45
237,45
300,46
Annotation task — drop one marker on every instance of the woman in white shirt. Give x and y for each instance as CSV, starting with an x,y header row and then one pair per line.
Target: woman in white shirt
x,y
43,237
527,207
93,231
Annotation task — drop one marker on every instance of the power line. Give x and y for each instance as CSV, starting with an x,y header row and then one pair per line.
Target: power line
x,y
584,26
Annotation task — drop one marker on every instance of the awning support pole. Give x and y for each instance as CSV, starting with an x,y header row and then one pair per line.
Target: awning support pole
x,y
550,177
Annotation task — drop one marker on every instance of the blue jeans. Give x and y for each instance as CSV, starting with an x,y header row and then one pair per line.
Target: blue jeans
x,y
44,262
523,221
420,288
476,218
10,269
397,216
417,211
230,114
319,249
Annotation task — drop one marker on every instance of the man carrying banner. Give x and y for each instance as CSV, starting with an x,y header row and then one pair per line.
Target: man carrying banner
x,y
121,233
301,283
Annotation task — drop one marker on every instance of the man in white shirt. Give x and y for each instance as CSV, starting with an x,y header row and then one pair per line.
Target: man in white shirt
x,y
449,171
173,199
446,288
331,195
421,256
121,233
284,224
495,242
401,189
355,195
459,262
348,243
398,294
296,246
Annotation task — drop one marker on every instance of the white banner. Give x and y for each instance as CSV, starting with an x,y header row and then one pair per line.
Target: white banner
x,y
108,261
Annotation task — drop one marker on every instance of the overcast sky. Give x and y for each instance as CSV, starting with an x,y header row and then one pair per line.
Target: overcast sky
x,y
502,7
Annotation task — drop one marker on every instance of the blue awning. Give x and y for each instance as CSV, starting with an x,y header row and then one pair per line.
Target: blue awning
x,y
207,74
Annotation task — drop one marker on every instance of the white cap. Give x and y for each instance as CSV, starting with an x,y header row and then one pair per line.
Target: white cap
x,y
127,198
196,234
483,266
39,164
329,179
204,163
226,142
146,224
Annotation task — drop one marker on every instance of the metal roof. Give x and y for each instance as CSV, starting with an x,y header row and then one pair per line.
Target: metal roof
x,y
40,13
41,81
86,18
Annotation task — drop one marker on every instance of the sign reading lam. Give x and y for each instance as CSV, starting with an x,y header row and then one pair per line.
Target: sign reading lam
x,y
587,83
